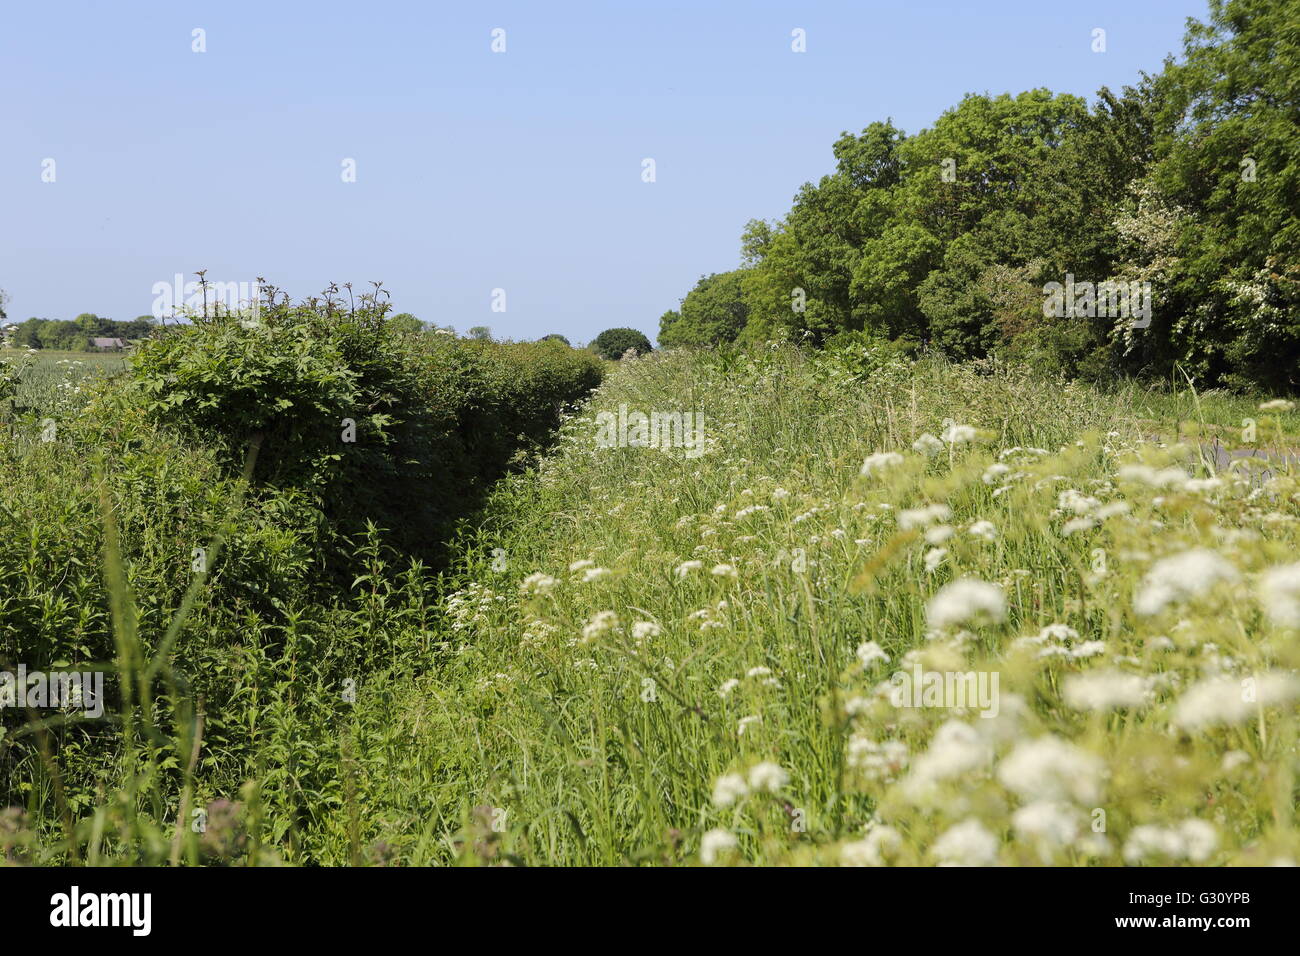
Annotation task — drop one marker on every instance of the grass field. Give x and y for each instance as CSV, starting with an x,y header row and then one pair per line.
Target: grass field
x,y
697,654
675,661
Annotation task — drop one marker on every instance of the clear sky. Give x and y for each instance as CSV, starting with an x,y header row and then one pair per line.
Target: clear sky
x,y
476,170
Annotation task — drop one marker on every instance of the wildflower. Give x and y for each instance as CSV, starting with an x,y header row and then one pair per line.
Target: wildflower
x,y
767,777
714,844
983,529
967,844
1053,823
729,788
1181,577
1105,690
963,600
956,749
993,472
1146,475
910,518
958,434
1228,700
872,849
686,567
927,445
1279,595
595,574
644,630
879,462
938,534
537,583
1277,405
580,565
745,722
728,686
870,652
600,624
1050,768
933,558
724,571
1193,839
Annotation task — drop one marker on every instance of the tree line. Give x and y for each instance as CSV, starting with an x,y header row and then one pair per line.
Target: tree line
x,y
1185,185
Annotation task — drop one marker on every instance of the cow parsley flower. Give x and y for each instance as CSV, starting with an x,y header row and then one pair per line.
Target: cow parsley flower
x,y
715,843
1181,577
767,777
963,600
729,788
969,843
880,462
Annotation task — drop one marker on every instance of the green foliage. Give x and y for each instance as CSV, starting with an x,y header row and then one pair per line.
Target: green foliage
x,y
1186,181
613,343
356,414
554,337
714,312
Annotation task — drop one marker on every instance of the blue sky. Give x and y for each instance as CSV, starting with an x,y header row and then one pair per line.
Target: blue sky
x,y
476,170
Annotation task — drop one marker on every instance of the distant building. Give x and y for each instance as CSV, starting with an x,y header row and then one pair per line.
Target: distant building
x,y
108,345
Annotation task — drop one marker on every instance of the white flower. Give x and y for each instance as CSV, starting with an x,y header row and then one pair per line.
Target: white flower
x,y
1194,840
745,722
724,571
767,777
729,788
686,567
1276,405
963,600
967,844
758,671
958,434
927,445
1049,768
595,574
1105,690
1231,700
601,623
880,461
870,652
957,748
728,686
537,583
934,557
910,518
938,534
1181,577
995,471
1171,477
644,630
1279,594
1046,820
715,843
580,565
983,529
871,849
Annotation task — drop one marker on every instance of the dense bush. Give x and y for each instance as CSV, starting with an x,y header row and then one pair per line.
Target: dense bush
x,y
372,423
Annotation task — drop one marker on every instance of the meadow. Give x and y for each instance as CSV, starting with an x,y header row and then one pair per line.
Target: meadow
x,y
898,613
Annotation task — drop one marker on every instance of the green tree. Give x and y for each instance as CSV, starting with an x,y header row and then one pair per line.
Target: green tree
x,y
715,311
613,343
